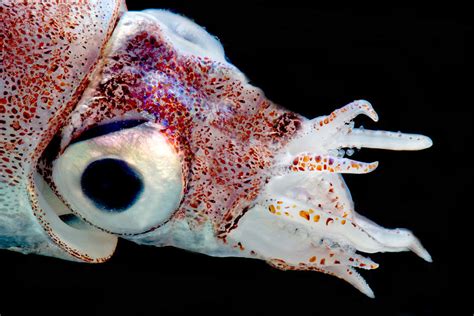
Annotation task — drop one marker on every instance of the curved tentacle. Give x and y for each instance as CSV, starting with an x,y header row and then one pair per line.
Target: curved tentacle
x,y
323,134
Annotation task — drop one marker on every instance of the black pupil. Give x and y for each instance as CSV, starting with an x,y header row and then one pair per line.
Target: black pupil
x,y
111,184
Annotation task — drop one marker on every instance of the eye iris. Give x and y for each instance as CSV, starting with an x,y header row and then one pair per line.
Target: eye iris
x,y
111,184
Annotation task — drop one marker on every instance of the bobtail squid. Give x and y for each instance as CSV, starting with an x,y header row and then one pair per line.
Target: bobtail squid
x,y
135,125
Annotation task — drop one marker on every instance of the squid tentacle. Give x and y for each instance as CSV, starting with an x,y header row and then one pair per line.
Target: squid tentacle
x,y
398,239
326,163
346,273
321,223
320,133
351,276
360,233
292,235
339,117
335,131
358,137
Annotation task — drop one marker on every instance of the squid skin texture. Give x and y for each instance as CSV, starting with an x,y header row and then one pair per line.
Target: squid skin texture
x,y
253,179
44,70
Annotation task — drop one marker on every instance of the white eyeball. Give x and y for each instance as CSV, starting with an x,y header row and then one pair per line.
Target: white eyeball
x,y
125,182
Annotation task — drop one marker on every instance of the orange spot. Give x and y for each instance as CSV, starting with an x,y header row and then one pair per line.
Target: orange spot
x,y
355,165
312,259
316,218
343,222
305,215
271,208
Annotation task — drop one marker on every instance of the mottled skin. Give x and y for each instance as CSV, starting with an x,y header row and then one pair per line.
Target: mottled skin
x,y
225,129
48,51
258,181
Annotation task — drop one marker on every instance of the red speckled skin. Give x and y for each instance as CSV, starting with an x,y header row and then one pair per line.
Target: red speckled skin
x,y
225,130
70,67
48,51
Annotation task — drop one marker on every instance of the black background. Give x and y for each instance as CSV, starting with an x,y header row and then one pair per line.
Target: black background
x,y
415,66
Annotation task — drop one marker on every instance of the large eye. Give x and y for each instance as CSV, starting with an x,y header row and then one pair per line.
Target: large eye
x,y
124,182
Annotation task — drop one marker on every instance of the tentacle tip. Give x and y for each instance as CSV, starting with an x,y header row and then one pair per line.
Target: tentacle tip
x,y
419,142
426,256
367,291
370,294
373,166
421,252
369,110
426,142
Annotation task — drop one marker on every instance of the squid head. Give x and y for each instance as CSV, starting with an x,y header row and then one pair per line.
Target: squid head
x,y
135,125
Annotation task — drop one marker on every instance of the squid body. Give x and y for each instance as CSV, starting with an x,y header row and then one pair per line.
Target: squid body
x,y
134,125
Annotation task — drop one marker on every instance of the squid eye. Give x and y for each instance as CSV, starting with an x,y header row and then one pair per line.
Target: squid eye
x,y
111,184
124,182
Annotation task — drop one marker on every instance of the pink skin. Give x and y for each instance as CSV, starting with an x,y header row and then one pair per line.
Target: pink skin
x,y
253,173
